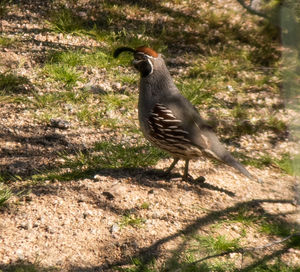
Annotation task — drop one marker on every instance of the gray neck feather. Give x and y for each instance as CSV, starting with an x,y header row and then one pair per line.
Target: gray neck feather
x,y
159,83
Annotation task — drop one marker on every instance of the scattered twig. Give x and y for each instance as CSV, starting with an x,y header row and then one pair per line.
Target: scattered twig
x,y
247,249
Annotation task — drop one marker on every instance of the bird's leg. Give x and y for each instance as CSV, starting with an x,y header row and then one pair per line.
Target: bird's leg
x,y
186,170
172,166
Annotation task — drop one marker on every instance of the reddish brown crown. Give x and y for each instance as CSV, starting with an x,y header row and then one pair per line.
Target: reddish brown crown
x,y
147,51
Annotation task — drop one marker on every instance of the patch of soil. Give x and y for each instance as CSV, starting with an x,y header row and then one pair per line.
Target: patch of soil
x,y
80,225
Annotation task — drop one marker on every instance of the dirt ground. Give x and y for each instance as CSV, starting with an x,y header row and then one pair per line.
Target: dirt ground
x,y
77,225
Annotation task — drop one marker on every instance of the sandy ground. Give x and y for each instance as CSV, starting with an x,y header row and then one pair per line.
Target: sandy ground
x,y
79,225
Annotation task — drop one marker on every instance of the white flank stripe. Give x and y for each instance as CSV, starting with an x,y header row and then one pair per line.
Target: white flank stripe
x,y
171,121
166,111
181,131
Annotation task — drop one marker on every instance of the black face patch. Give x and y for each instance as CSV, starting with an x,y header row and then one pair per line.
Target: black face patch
x,y
143,64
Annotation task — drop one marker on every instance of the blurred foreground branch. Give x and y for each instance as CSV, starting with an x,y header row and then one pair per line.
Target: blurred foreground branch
x,y
253,11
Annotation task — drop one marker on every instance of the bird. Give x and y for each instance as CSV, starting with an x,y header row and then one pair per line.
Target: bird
x,y
168,120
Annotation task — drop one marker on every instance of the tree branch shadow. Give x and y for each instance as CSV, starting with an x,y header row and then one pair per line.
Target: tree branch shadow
x,y
147,254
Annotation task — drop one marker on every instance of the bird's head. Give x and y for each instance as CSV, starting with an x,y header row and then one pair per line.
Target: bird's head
x,y
145,59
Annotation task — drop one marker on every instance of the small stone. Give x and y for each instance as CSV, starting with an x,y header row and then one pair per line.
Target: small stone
x,y
28,198
233,255
23,225
156,215
69,107
200,179
114,228
95,89
82,14
20,254
93,231
235,227
230,88
86,214
122,90
151,191
49,229
59,123
97,177
108,195
117,86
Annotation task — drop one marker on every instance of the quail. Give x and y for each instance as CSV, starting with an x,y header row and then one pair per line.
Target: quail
x,y
168,120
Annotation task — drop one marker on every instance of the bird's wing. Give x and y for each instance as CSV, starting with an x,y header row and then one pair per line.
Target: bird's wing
x,y
167,132
200,134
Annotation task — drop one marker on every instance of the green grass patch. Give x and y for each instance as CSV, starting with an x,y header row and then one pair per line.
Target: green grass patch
x,y
96,118
187,261
117,101
131,220
122,155
277,125
296,165
85,106
285,163
63,73
215,245
261,162
193,90
137,266
278,266
66,66
4,7
6,41
11,83
65,20
239,112
104,155
73,58
245,216
272,227
111,107
145,206
250,216
187,264
5,194
58,99
130,80
6,177
220,67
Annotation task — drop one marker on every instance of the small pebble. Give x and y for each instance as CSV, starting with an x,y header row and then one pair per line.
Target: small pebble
x,y
97,177
114,228
59,123
108,195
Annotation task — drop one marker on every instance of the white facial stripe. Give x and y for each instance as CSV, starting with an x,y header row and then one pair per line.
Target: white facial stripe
x,y
151,66
150,57
137,61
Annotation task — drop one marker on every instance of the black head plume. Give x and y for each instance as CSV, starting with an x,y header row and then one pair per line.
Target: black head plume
x,y
119,50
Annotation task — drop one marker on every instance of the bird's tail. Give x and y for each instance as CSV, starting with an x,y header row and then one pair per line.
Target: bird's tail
x,y
230,160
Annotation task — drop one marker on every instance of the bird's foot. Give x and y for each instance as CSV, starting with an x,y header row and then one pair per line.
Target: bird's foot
x,y
168,175
189,178
200,179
